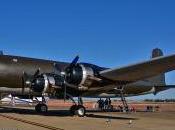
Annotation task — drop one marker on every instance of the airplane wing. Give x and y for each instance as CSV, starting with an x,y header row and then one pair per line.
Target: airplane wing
x,y
166,86
141,70
163,88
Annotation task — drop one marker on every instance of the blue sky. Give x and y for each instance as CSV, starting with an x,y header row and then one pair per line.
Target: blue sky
x,y
107,33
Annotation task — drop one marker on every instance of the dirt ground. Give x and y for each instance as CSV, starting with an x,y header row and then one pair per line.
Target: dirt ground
x,y
93,121
139,106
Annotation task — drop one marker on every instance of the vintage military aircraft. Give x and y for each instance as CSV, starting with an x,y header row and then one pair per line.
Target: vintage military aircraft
x,y
30,77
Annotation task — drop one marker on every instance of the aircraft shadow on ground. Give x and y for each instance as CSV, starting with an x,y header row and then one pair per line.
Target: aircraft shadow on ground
x,y
61,113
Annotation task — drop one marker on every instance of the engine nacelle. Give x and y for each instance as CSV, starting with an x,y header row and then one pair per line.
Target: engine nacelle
x,y
79,76
46,82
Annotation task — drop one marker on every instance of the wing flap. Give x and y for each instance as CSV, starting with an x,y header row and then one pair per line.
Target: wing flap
x,y
141,70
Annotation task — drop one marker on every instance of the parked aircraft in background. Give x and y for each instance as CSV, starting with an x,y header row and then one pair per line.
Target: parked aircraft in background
x,y
29,77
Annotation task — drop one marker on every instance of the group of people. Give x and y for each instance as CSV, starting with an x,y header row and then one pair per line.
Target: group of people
x,y
104,104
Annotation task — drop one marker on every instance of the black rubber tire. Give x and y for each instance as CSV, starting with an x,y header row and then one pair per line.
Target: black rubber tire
x,y
39,109
43,108
80,111
73,109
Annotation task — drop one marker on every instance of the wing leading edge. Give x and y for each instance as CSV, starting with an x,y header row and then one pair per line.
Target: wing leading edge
x,y
141,70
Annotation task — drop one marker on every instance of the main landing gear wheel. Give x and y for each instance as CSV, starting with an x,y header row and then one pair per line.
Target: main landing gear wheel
x,y
81,111
41,108
78,110
73,109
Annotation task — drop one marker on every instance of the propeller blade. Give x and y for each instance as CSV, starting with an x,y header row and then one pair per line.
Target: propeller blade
x,y
74,62
36,73
57,67
67,70
26,79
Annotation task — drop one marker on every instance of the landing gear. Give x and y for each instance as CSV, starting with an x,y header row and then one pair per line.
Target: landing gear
x,y
73,109
41,107
12,102
78,109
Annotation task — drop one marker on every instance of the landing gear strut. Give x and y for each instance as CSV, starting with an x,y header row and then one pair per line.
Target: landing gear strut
x,y
41,107
78,109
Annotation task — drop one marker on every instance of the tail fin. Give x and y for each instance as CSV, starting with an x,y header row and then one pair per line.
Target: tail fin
x,y
1,52
159,79
156,53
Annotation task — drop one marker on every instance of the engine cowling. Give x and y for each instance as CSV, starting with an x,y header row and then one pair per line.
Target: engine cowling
x,y
79,76
44,83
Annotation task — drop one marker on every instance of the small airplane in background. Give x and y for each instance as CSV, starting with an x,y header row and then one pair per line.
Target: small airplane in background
x,y
29,77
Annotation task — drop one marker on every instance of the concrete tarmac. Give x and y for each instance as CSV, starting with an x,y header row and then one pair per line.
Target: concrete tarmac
x,y
93,121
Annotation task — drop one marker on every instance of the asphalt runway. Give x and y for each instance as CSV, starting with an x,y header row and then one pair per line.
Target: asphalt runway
x,y
28,119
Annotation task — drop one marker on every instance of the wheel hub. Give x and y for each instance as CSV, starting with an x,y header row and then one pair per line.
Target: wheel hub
x,y
43,108
81,111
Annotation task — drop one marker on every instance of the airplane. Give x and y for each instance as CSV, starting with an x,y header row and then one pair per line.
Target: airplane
x,y
29,77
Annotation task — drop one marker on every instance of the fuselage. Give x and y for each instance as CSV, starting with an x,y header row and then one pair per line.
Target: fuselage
x,y
12,69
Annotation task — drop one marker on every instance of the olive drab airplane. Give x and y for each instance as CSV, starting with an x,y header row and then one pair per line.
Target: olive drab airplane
x,y
22,76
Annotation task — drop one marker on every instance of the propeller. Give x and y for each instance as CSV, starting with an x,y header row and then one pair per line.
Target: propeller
x,y
66,73
67,70
29,79
74,62
37,72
